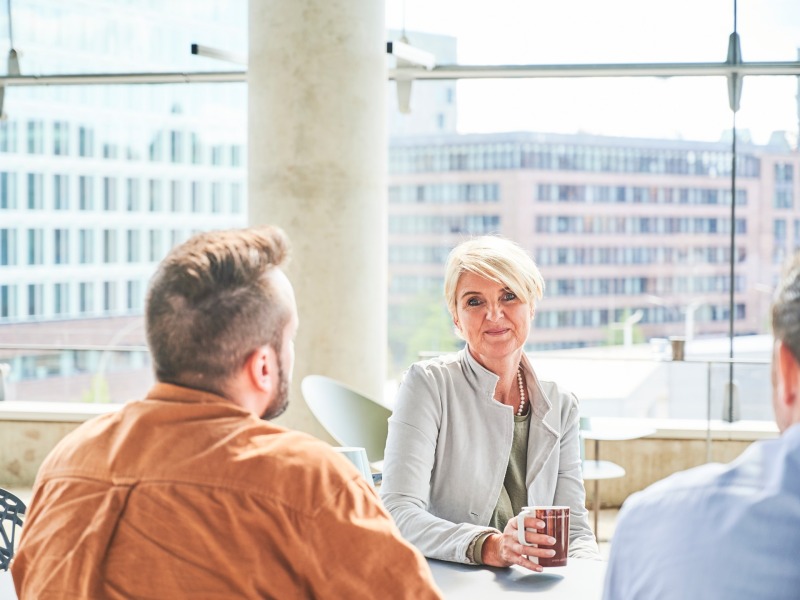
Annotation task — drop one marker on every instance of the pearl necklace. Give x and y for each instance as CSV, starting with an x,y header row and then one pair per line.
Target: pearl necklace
x,y
521,409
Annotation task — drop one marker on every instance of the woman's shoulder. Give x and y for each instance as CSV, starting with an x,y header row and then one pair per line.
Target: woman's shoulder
x,y
558,395
443,365
434,377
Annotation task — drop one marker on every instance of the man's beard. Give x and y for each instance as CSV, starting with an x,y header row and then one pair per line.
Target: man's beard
x,y
281,400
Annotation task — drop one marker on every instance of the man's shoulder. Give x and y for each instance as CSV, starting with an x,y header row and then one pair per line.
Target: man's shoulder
x,y
224,450
669,489
706,486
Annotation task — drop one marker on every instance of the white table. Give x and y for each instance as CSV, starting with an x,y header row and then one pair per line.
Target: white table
x,y
581,579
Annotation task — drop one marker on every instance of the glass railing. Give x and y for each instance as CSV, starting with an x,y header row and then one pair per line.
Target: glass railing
x,y
74,373
613,382
640,383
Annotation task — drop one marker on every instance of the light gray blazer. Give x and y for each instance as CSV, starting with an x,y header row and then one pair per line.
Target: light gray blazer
x,y
448,449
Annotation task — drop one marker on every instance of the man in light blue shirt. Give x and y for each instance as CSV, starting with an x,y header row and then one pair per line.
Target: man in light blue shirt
x,y
725,531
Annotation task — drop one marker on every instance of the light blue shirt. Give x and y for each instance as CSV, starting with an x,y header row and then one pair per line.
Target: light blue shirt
x,y
717,531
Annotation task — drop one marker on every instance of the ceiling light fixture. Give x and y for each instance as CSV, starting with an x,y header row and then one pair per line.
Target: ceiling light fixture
x,y
409,60
210,52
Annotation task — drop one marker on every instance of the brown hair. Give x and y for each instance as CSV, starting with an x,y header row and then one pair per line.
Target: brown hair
x,y
786,307
209,304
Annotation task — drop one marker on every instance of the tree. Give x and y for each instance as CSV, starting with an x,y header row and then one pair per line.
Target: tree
x,y
423,324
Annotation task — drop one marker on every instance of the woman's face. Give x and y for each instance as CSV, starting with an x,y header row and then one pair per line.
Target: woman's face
x,y
493,320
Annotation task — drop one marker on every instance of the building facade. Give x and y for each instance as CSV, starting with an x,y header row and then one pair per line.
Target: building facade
x,y
621,228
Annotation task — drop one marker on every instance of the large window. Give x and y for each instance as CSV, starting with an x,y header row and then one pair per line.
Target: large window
x,y
620,187
646,219
98,182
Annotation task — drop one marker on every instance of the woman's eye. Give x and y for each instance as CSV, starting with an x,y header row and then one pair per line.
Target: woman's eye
x,y
508,296
473,302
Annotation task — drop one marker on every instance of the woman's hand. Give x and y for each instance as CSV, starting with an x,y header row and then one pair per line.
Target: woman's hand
x,y
504,549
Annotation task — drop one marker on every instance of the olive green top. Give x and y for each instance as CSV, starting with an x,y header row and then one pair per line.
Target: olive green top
x,y
514,493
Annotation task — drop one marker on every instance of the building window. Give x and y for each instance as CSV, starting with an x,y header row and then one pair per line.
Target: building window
x,y
85,193
216,197
784,187
236,155
35,296
783,198
217,154
8,190
110,151
8,136
61,192
176,196
86,246
155,245
109,246
85,142
109,194
35,137
134,300
35,191
86,297
132,194
61,138
155,151
109,296
156,199
784,173
779,231
176,146
35,246
197,197
134,245
197,150
61,298
236,199
8,301
8,247
61,246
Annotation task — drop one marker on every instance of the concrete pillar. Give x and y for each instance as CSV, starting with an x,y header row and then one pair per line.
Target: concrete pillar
x,y
317,165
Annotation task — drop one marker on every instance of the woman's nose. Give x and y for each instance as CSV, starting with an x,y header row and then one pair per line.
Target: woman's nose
x,y
494,313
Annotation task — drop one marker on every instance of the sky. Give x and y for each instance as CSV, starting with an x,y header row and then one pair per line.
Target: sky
x,y
615,31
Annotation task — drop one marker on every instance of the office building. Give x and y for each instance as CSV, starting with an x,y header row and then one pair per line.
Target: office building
x,y
621,228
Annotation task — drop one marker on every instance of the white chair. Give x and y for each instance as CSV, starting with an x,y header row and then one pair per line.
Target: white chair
x,y
350,418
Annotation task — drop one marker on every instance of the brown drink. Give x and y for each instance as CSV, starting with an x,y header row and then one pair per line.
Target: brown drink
x,y
556,525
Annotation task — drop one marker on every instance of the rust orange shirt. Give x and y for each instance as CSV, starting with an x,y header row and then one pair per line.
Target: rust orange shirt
x,y
186,495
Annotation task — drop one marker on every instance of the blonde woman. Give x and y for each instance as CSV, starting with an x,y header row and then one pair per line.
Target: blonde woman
x,y
475,436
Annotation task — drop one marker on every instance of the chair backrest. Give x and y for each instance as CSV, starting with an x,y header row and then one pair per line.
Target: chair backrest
x,y
11,508
350,418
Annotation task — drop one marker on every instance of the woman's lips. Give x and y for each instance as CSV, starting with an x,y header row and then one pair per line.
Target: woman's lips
x,y
495,331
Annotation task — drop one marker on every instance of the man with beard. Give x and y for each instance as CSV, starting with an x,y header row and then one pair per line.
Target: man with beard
x,y
189,493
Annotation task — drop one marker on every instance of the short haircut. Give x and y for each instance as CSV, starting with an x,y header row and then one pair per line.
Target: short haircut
x,y
786,308
497,258
210,304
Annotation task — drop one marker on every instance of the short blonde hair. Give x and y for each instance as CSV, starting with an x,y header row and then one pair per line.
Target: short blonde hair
x,y
497,258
